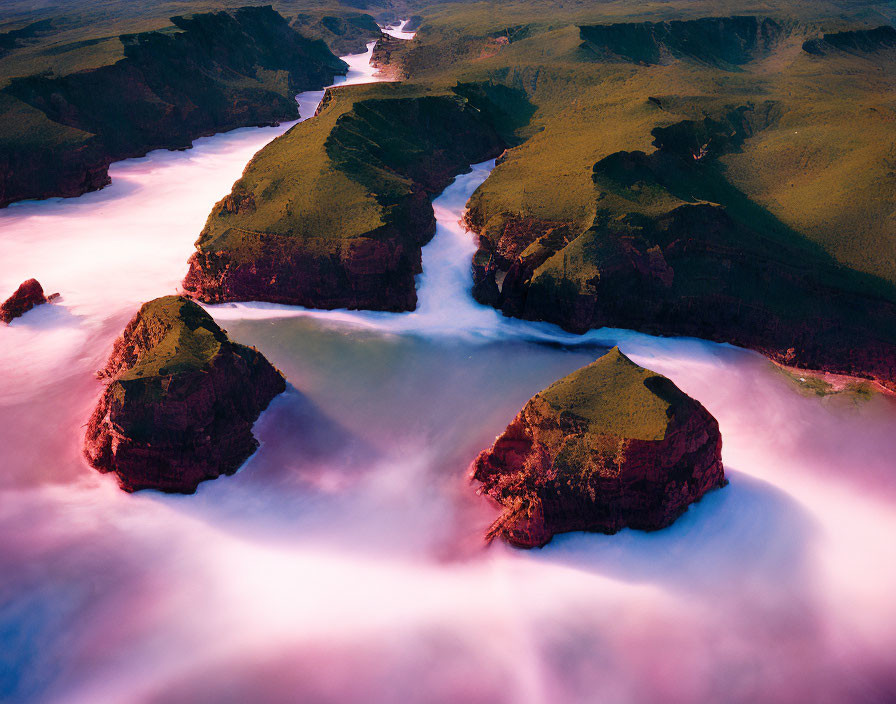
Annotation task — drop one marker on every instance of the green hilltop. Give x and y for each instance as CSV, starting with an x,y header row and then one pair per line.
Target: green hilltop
x,y
617,397
344,174
183,338
821,168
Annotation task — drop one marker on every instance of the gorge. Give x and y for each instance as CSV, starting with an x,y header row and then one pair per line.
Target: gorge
x,y
338,554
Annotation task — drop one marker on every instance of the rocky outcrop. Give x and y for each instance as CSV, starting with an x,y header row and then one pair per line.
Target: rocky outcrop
x,y
180,401
722,42
28,295
387,57
413,23
27,176
860,41
400,151
219,71
688,272
610,446
371,272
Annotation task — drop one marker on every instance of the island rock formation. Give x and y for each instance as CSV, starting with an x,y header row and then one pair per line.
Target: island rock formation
x,y
180,402
610,446
28,295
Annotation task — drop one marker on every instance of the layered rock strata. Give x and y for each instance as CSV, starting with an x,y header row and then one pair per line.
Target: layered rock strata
x,y
180,401
610,446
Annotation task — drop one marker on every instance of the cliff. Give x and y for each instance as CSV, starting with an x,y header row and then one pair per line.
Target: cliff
x,y
676,249
610,446
345,32
386,57
180,402
209,73
334,213
722,42
859,41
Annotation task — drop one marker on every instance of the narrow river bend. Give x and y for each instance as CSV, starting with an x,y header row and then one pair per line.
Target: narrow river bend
x,y
344,561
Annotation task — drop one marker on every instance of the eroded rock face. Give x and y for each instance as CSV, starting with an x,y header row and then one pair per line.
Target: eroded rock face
x,y
344,32
610,446
374,272
861,41
28,295
70,171
724,42
714,265
385,57
180,402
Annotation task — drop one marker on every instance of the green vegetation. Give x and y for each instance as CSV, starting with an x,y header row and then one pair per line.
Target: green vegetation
x,y
723,42
26,127
160,87
346,173
617,397
184,338
208,72
728,164
293,179
818,387
60,39
821,168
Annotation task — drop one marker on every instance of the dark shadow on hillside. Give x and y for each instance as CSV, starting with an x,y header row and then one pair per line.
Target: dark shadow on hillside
x,y
722,42
685,166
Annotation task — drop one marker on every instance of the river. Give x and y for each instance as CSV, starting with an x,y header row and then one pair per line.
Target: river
x,y
345,561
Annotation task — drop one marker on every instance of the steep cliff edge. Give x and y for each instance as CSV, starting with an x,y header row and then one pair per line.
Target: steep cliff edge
x,y
675,249
863,42
387,57
334,213
208,73
610,446
344,32
722,42
180,402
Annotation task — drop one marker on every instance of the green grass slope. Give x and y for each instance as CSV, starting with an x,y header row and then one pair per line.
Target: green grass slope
x,y
334,212
617,397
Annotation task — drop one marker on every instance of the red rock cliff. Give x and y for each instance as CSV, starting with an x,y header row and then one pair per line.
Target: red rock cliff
x,y
181,400
608,447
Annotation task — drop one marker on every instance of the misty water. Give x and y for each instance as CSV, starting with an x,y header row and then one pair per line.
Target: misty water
x,y
345,560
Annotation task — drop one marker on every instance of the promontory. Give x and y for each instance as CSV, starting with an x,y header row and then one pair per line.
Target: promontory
x,y
333,214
